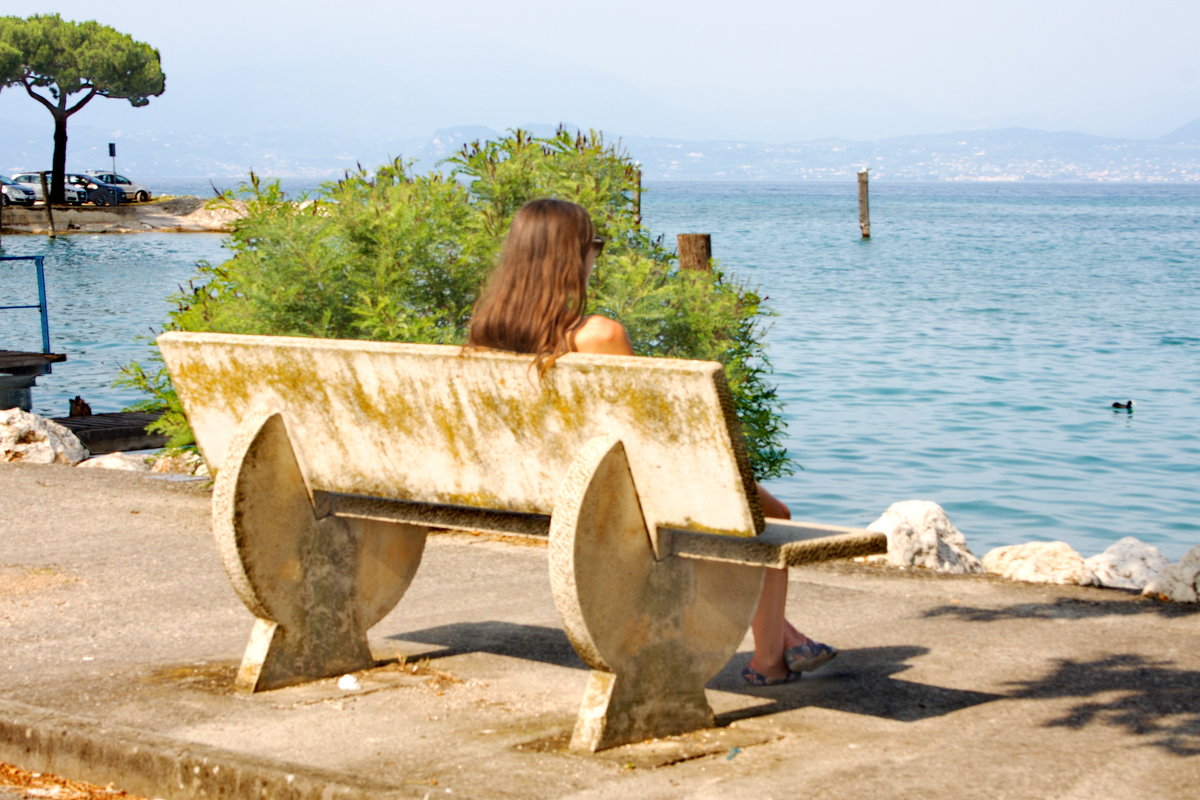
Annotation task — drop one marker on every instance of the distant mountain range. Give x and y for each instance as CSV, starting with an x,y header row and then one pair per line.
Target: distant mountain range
x,y
1013,154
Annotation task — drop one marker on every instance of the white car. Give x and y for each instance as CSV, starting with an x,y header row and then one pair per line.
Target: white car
x,y
74,195
134,191
11,193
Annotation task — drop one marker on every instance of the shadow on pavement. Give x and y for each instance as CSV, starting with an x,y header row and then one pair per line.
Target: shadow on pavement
x,y
1067,608
531,642
859,682
1156,700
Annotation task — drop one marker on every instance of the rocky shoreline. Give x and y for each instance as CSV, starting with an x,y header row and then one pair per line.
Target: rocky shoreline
x,y
171,215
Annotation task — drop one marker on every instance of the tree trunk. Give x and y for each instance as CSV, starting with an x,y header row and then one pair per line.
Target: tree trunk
x,y
59,161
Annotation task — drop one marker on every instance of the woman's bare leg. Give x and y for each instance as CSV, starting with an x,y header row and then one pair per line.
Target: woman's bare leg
x,y
772,632
769,626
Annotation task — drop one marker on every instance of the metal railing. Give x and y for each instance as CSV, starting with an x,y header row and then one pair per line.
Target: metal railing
x,y
39,261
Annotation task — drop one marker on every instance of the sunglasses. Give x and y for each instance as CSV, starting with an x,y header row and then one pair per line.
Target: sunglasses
x,y
598,243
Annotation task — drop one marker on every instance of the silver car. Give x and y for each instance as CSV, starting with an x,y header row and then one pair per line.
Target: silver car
x,y
13,194
74,195
134,191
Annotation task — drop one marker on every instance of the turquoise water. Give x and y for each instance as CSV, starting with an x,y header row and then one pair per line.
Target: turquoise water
x,y
969,353
107,297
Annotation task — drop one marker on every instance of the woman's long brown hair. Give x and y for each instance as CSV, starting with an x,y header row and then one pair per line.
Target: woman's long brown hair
x,y
535,298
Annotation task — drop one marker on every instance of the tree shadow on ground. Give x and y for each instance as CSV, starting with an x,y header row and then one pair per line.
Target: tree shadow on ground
x,y
1067,608
1158,701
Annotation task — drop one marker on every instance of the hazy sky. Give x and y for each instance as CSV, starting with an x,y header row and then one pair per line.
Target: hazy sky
x,y
759,70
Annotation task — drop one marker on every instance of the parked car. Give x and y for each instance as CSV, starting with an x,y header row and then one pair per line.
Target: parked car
x,y
75,195
99,192
135,190
14,194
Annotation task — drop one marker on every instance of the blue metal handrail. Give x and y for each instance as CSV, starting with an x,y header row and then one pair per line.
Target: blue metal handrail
x,y
39,261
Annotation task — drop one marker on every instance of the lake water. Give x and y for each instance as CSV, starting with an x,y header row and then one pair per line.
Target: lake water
x,y
968,353
107,298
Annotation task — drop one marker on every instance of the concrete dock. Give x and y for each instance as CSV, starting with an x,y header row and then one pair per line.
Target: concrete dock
x,y
120,636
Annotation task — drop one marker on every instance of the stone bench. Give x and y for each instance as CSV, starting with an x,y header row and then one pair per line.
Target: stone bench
x,y
334,458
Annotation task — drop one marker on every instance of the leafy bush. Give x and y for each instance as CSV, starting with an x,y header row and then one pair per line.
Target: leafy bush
x,y
401,257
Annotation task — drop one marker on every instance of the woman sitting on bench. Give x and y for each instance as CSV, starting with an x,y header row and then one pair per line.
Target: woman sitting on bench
x,y
534,303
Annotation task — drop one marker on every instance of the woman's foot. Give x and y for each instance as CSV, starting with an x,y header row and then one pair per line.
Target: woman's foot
x,y
808,656
755,678
792,637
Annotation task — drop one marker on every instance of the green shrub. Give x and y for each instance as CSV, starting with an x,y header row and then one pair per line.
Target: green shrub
x,y
400,257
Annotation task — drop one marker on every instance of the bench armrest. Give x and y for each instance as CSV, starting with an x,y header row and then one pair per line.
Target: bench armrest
x,y
782,543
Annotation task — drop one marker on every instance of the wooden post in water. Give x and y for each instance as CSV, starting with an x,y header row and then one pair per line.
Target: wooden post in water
x,y
695,251
46,203
864,211
637,198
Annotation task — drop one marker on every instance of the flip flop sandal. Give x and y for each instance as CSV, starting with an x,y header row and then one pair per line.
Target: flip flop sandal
x,y
808,656
756,678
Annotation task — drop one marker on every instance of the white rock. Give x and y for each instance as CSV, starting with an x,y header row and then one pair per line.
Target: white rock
x,y
349,683
1179,582
921,535
1127,564
1039,562
28,437
125,461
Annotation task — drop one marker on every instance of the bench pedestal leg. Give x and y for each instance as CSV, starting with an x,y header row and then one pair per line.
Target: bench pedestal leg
x,y
620,709
653,632
315,585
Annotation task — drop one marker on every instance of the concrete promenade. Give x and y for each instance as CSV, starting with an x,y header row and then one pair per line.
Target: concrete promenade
x,y
120,636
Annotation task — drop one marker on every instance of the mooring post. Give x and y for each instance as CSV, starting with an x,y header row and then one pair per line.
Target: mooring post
x,y
46,203
637,197
864,212
695,251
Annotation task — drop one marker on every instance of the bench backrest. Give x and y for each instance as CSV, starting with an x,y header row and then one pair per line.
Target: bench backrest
x,y
440,424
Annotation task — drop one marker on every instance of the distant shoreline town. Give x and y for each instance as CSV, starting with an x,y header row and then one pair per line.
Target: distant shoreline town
x,y
1004,155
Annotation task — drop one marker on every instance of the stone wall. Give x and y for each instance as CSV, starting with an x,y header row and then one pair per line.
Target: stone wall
x,y
175,215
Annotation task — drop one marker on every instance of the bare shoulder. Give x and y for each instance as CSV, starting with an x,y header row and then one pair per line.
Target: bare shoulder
x,y
602,335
